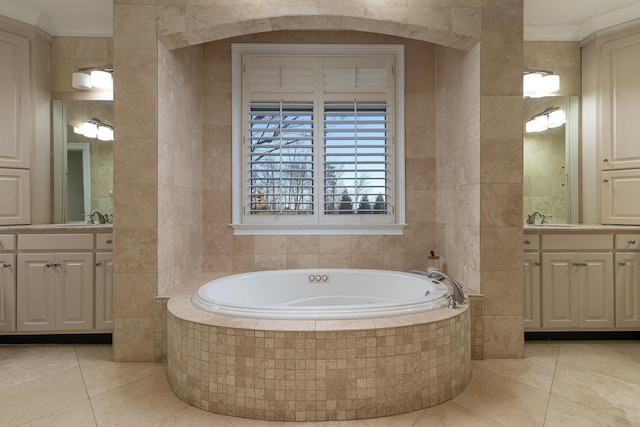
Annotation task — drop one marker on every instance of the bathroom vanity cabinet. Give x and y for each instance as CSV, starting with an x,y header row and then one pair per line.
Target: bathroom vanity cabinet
x,y
57,282
15,120
627,280
104,282
572,282
7,283
531,272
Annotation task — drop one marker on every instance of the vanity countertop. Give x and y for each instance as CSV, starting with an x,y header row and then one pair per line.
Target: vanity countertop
x,y
580,228
57,228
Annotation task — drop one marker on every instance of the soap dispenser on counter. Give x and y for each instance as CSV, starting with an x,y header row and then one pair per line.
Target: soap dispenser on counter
x,y
433,261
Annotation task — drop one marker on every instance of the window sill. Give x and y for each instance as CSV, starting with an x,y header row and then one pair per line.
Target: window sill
x,y
266,230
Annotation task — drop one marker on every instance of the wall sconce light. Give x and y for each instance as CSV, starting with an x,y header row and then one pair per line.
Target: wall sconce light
x,y
94,128
539,83
550,118
90,77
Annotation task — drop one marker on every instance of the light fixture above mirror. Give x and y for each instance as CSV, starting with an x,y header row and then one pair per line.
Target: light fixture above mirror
x,y
94,128
550,118
89,77
539,83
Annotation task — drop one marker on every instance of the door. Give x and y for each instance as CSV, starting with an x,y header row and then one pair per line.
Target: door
x,y
14,101
620,95
104,291
74,291
36,282
7,292
559,290
15,202
620,203
595,293
531,290
627,306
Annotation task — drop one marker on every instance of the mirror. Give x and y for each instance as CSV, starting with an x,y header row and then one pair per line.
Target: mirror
x,y
82,166
550,168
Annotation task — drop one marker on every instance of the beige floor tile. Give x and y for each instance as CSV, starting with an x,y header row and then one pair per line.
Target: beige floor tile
x,y
503,399
23,363
401,420
101,374
618,359
563,412
244,422
78,415
194,417
597,391
31,400
536,369
450,414
141,403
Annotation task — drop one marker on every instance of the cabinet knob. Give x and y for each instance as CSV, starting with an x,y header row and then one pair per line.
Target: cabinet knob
x,y
605,180
98,264
537,263
606,159
527,242
5,265
583,264
48,265
632,242
577,264
622,263
108,242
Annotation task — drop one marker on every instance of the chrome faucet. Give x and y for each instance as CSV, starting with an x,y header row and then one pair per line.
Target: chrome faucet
x,y
102,219
457,294
531,218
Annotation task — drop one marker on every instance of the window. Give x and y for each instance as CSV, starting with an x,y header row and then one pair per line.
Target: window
x,y
317,139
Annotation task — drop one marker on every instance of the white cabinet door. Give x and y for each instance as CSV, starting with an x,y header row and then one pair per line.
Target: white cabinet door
x,y
627,290
36,293
559,290
15,140
620,95
595,290
7,292
620,198
531,290
55,292
74,291
104,291
15,202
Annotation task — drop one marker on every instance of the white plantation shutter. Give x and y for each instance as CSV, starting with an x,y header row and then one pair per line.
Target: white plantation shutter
x,y
318,145
356,155
280,161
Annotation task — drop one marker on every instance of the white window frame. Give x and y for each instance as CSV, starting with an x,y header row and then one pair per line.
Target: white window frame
x,y
286,224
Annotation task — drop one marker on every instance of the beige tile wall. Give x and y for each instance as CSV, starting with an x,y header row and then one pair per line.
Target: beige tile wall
x,y
68,54
179,165
222,251
498,232
455,24
501,178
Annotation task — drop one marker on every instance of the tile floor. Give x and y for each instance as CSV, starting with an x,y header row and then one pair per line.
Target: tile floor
x,y
578,383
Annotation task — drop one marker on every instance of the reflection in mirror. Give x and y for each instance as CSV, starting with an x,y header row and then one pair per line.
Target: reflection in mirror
x,y
82,164
550,169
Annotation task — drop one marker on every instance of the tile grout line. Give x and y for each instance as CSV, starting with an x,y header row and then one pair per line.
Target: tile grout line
x,y
553,379
84,384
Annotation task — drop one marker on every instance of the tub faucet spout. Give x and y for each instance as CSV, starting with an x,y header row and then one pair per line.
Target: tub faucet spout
x,y
457,297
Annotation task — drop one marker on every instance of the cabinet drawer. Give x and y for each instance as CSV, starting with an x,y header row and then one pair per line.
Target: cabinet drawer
x,y
628,241
577,241
7,242
531,242
104,241
43,242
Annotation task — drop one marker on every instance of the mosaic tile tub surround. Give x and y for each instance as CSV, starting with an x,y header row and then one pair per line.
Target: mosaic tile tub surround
x,y
316,370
